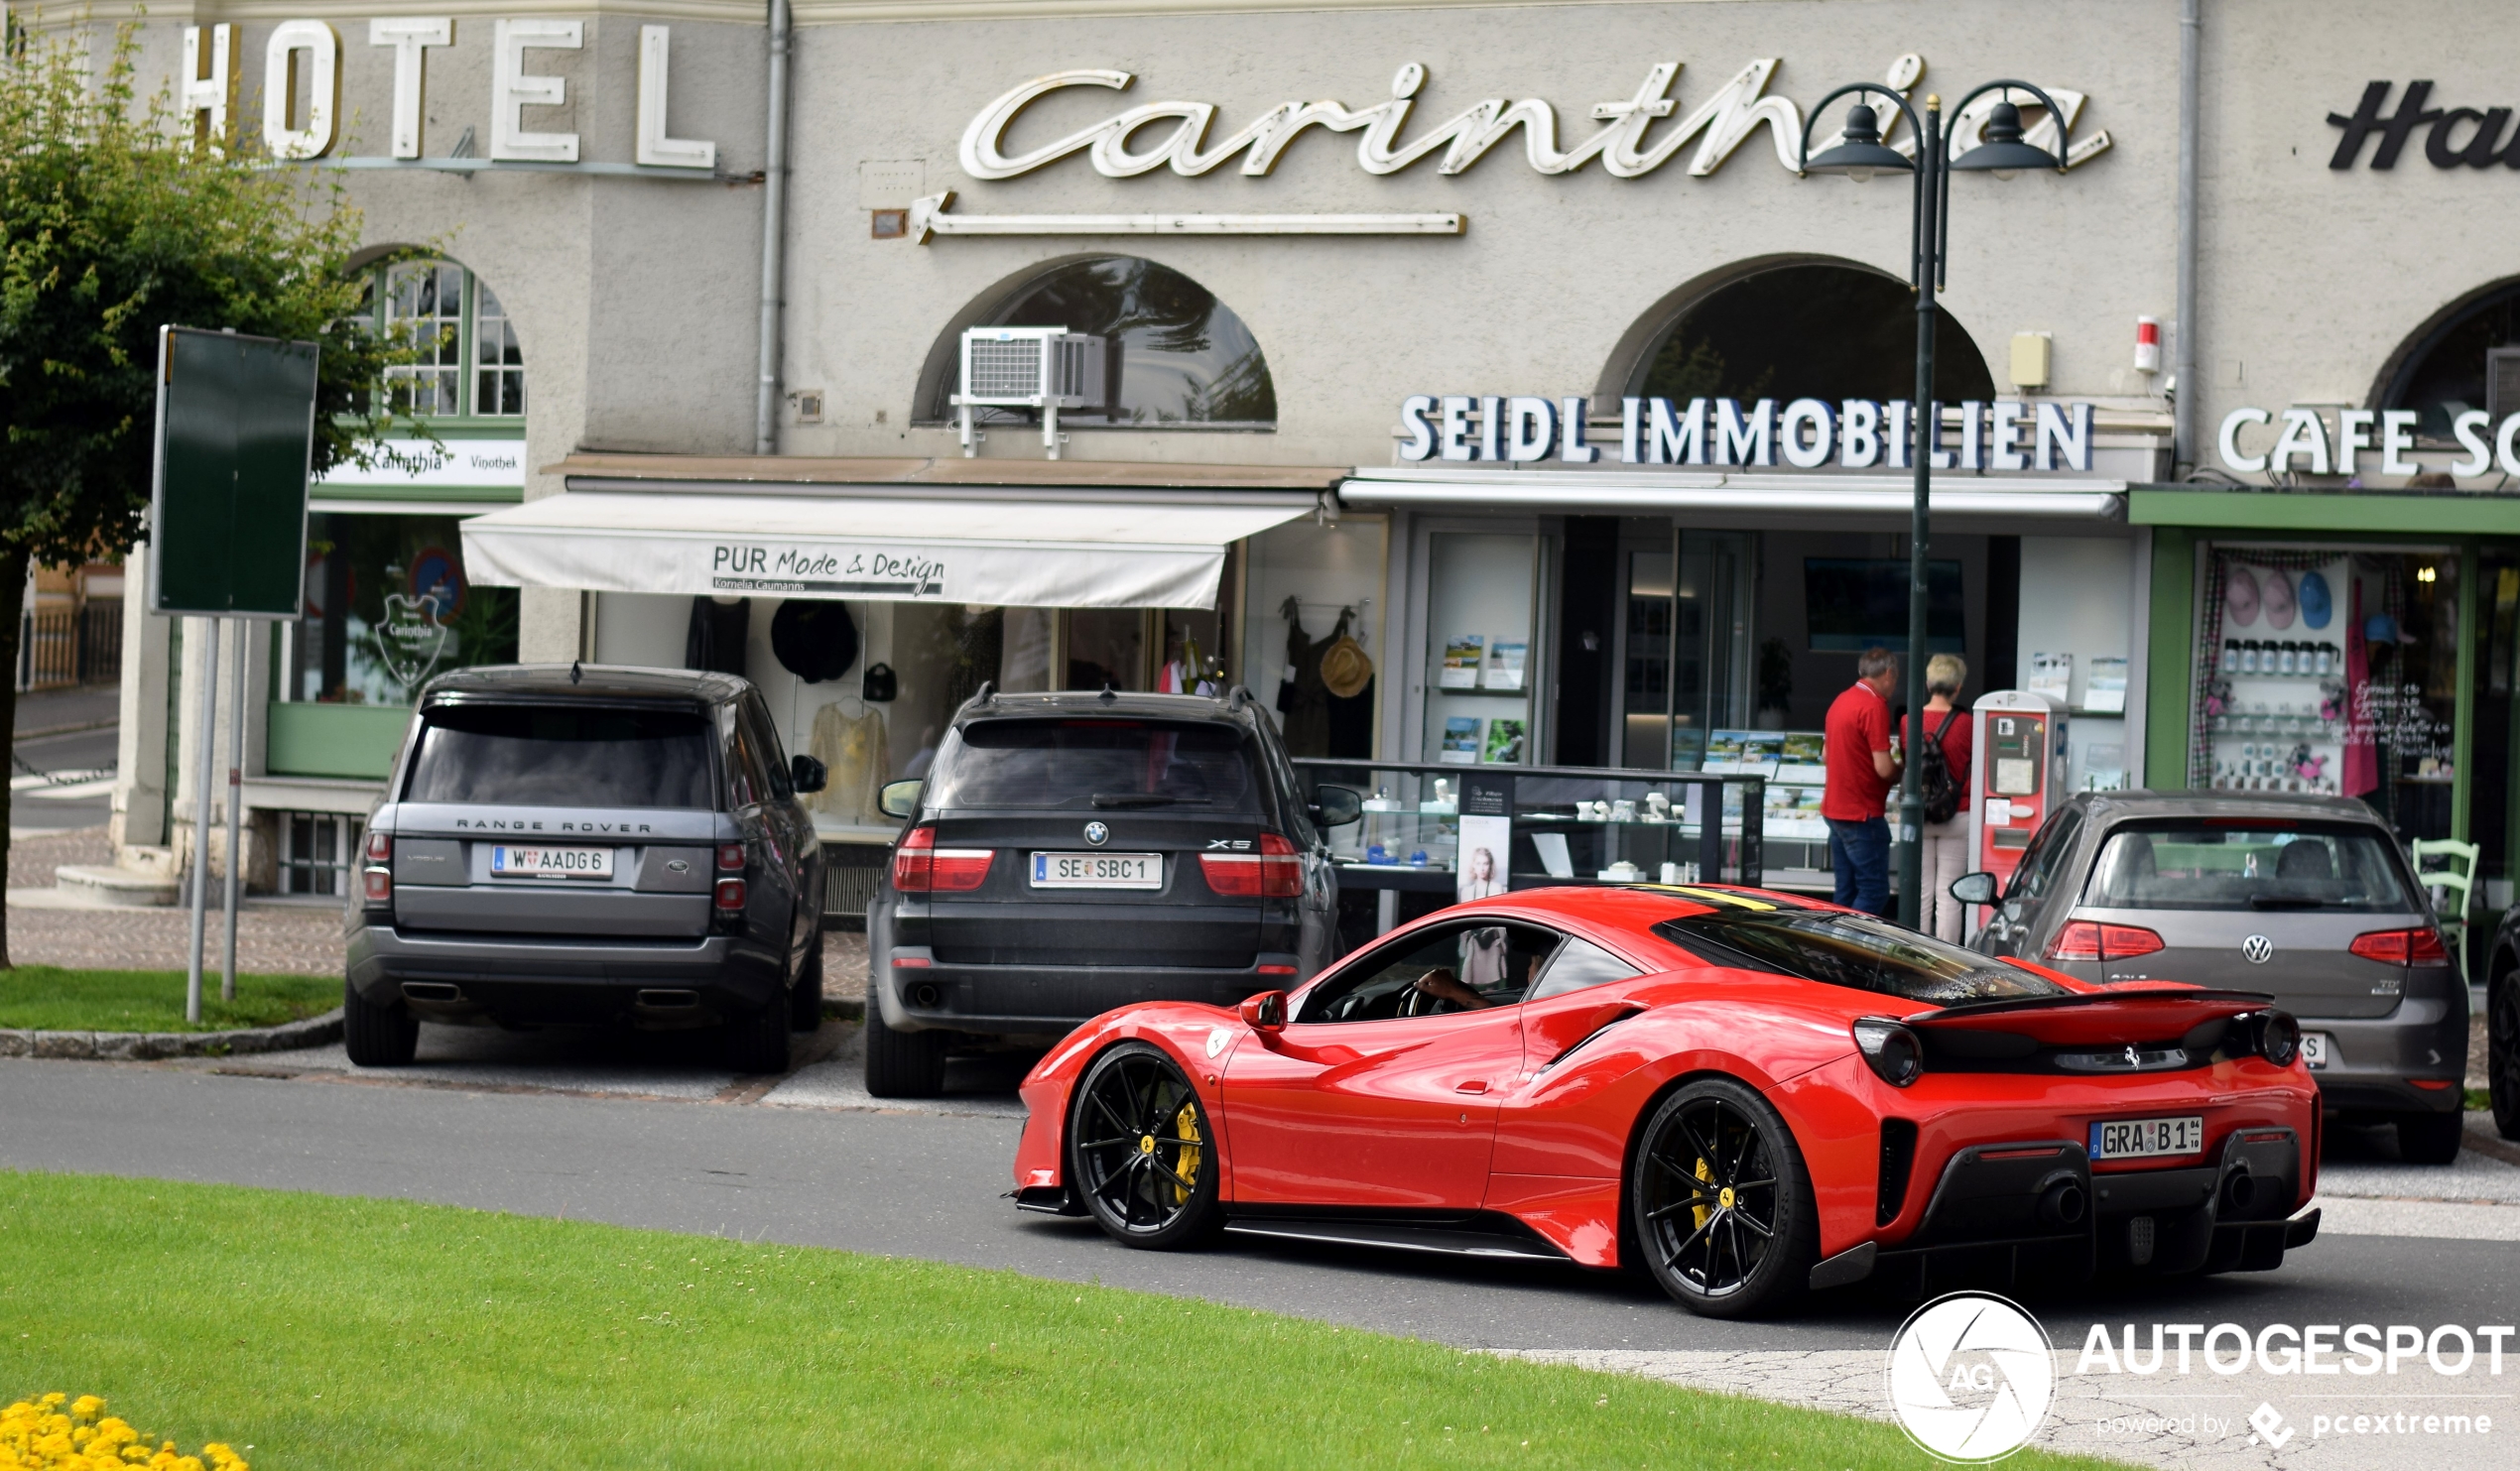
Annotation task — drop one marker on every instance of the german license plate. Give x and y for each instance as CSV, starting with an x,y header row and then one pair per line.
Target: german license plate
x,y
549,863
1097,870
2136,1139
2315,1048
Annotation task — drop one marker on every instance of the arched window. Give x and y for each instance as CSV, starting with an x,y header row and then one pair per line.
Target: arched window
x,y
1176,355
1809,330
471,364
2446,369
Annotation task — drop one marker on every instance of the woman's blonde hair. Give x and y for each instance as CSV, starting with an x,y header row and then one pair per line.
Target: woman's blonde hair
x,y
1944,674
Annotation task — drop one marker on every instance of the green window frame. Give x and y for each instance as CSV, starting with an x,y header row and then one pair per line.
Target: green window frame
x,y
475,371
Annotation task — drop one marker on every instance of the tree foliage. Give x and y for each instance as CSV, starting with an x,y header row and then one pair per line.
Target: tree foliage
x,y
113,222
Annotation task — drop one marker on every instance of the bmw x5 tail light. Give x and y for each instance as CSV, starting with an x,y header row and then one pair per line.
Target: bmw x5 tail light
x,y
921,867
1275,871
2084,939
2417,946
1895,1055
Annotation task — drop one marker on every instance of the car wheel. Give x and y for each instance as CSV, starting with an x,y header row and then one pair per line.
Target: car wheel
x,y
902,1064
1721,1203
2502,1052
1140,1153
2430,1138
377,1036
757,1040
804,999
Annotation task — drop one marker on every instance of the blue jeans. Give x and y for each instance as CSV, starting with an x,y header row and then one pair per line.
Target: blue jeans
x,y
1859,855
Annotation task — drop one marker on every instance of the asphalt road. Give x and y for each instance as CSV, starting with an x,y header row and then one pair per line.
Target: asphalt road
x,y
930,1185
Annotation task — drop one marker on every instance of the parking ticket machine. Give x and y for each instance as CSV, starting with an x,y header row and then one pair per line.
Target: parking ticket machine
x,y
2016,773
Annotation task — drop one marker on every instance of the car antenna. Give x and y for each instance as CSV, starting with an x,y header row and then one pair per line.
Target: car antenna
x,y
577,669
1108,694
987,694
1237,697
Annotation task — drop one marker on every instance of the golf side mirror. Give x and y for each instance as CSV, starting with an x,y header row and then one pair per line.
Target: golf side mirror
x,y
805,774
1265,1013
899,799
1974,888
1336,807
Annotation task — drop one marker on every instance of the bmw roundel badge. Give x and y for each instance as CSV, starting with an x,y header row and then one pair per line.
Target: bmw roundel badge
x,y
1097,834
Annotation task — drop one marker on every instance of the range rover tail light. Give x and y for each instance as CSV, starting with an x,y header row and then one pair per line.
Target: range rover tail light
x,y
921,867
2418,946
730,896
376,882
2084,939
1275,871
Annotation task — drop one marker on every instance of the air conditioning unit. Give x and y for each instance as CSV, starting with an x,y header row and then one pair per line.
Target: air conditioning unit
x,y
2502,383
1044,368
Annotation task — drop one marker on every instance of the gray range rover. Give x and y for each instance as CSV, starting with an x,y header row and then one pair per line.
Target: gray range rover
x,y
2306,899
1070,853
563,844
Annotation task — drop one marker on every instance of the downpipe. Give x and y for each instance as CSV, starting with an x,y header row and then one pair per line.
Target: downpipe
x,y
774,232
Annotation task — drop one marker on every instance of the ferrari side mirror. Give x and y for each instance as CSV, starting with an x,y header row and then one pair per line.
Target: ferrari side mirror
x,y
1265,1013
1974,888
899,799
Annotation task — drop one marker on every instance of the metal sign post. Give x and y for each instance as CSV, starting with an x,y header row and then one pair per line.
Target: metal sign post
x,y
227,527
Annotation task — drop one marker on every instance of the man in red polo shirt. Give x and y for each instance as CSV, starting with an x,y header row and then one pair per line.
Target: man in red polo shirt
x,y
1860,774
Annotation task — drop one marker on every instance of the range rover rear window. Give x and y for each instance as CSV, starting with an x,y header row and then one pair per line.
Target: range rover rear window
x,y
1114,765
563,756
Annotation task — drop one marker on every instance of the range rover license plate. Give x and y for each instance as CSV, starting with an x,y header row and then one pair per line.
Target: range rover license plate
x,y
1097,870
2135,1138
549,863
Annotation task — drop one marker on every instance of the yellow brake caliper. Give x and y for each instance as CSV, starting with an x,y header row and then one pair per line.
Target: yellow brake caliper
x,y
1700,1213
1186,1125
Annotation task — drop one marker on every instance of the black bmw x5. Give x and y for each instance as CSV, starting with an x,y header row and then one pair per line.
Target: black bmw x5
x,y
1070,853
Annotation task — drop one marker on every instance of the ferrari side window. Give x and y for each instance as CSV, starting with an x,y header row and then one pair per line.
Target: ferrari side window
x,y
1451,968
1854,950
1579,963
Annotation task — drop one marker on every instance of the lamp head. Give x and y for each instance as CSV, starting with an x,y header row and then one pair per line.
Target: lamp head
x,y
1858,153
2003,154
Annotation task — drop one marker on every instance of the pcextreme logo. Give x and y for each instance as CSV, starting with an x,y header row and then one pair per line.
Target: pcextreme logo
x,y
1972,1377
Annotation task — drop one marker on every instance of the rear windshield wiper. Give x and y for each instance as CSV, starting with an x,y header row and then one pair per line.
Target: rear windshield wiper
x,y
2289,901
1147,800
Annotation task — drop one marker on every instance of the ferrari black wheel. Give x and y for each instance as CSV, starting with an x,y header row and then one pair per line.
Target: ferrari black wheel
x,y
1141,1155
2502,1052
1720,1202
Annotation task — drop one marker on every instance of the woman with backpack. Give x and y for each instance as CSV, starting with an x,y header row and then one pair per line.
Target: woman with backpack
x,y
1945,833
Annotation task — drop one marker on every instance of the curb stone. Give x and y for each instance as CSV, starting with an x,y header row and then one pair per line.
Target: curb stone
x,y
311,1031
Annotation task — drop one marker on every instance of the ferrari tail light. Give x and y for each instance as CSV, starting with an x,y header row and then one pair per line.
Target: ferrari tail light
x,y
2086,939
1275,871
2279,1037
921,867
2418,946
1895,1055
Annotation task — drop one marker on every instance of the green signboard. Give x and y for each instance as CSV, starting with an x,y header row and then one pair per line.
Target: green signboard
x,y
228,520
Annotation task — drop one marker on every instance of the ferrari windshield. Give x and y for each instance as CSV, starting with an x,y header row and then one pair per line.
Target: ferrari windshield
x,y
1856,951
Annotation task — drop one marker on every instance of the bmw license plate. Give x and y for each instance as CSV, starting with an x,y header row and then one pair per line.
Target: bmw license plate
x,y
2136,1139
1097,870
2315,1048
549,863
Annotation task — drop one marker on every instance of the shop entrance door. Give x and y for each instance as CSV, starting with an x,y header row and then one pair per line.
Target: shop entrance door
x,y
1685,648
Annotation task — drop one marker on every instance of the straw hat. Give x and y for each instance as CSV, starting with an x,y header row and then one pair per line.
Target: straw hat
x,y
1346,666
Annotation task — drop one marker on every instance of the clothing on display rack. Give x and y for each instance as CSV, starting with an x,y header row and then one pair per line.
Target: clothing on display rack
x,y
857,754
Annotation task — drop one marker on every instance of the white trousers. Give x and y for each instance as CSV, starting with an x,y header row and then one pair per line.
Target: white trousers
x,y
1946,859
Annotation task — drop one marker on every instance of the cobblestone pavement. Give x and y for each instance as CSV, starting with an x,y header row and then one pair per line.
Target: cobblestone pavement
x,y
33,856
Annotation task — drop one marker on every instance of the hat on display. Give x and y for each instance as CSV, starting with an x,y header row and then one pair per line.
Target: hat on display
x,y
2380,628
813,639
2316,606
2278,601
2239,597
1346,669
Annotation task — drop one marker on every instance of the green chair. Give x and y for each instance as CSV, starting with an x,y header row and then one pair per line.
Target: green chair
x,y
2448,883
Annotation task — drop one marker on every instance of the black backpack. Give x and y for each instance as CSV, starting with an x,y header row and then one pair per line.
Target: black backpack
x,y
1934,782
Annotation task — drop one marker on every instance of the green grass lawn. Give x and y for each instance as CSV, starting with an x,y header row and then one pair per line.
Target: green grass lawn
x,y
50,999
333,1332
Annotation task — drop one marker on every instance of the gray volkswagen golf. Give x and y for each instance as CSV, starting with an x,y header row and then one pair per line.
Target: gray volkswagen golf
x,y
2308,898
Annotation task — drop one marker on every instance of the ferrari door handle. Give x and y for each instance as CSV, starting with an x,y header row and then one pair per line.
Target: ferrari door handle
x,y
1474,1085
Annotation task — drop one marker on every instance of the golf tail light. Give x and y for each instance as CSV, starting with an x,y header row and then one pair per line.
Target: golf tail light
x,y
1275,871
2279,1037
1891,1051
730,896
2087,939
2418,946
921,867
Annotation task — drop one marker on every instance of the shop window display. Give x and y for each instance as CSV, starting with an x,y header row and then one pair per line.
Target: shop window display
x,y
2333,672
1480,673
389,607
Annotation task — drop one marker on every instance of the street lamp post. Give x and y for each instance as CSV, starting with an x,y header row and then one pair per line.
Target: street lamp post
x,y
1859,154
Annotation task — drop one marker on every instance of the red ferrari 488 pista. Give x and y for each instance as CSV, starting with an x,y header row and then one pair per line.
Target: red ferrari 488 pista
x,y
1748,1094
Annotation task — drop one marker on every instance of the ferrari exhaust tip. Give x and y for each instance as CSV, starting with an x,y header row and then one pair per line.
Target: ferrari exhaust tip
x,y
2063,1204
2240,1189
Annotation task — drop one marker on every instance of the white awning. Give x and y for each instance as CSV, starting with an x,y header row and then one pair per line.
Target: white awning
x,y
1044,553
